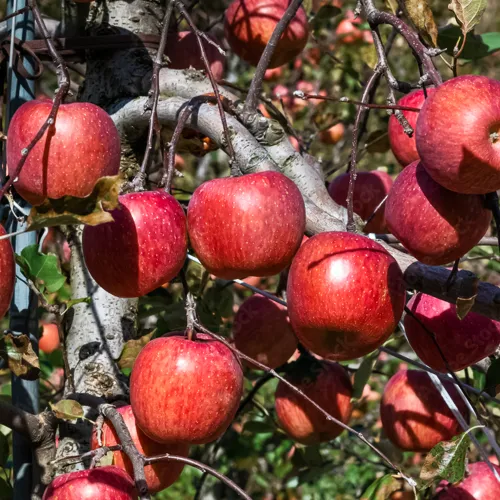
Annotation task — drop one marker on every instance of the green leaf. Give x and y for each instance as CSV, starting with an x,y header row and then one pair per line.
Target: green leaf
x,y
468,12
312,456
363,374
73,302
5,489
4,450
446,460
492,383
258,427
476,46
382,488
131,350
67,409
41,268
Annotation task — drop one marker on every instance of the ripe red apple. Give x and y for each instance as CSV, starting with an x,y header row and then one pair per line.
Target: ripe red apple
x,y
144,247
348,31
185,391
479,484
370,189
458,135
345,295
159,475
82,146
404,147
328,385
414,415
249,24
463,342
273,74
7,272
262,330
49,341
184,52
435,225
246,226
104,483
332,135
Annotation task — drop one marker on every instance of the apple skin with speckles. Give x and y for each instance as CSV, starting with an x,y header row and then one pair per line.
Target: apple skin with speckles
x,y
479,483
403,146
82,146
249,24
261,330
345,295
144,247
435,225
457,134
7,273
104,483
331,388
369,190
159,475
185,391
414,415
462,342
246,226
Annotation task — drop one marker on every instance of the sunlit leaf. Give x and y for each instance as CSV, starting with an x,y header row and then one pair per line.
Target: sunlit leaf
x,y
131,350
476,46
464,306
468,12
67,409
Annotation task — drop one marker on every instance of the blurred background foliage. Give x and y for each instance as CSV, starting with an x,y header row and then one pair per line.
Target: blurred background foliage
x,y
254,452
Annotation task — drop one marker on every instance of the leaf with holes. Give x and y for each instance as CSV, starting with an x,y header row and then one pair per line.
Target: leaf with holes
x,y
131,350
382,488
19,355
421,16
67,409
468,12
446,460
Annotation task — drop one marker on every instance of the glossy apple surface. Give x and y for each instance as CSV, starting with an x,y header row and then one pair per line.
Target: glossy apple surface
x,y
345,295
82,146
144,247
435,225
462,342
414,415
261,330
49,341
159,475
7,273
246,226
104,483
328,385
458,135
185,391
403,146
249,24
369,190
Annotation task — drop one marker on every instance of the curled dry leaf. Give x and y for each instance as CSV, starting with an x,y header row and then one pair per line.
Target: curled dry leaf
x,y
19,355
67,409
421,16
468,12
91,210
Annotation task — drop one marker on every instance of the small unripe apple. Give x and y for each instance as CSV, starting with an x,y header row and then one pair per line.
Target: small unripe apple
x,y
49,341
328,385
246,226
249,24
80,147
414,415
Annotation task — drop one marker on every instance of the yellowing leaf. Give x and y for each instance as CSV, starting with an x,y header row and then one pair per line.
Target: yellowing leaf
x,y
468,12
67,409
19,355
131,350
421,16
464,306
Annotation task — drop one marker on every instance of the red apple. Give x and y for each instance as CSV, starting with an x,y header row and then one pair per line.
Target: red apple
x,y
104,483
328,385
404,147
184,52
369,190
7,272
435,225
246,226
348,31
478,484
345,295
273,74
49,341
82,146
332,135
185,391
249,24
414,415
463,342
458,135
159,475
262,330
144,247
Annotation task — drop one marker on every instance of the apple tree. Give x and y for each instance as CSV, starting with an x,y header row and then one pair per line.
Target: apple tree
x,y
249,249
